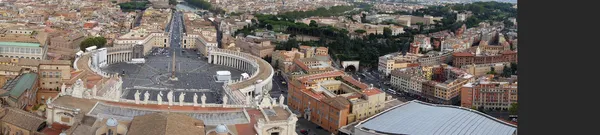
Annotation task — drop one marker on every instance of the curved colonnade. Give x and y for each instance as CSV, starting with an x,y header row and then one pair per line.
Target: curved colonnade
x,y
240,91
260,71
119,54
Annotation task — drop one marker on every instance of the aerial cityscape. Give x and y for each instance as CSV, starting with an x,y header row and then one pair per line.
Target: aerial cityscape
x,y
258,67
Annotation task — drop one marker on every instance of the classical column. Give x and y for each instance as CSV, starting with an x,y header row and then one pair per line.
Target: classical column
x,y
209,58
219,60
237,62
225,60
230,62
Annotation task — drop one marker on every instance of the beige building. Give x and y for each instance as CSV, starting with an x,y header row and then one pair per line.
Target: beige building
x,y
283,60
9,70
68,40
15,121
441,86
65,44
256,46
156,19
312,66
483,69
53,73
28,65
200,34
393,61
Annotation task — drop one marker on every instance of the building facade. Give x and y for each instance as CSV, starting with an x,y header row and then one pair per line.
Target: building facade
x,y
53,73
489,95
466,58
332,99
21,50
439,84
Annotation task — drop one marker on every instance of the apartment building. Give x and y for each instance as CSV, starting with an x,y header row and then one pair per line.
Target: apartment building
x,y
397,60
438,84
489,94
156,19
423,42
332,99
480,56
199,33
483,69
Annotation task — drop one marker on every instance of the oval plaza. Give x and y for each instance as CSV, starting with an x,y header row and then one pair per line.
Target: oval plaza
x,y
228,91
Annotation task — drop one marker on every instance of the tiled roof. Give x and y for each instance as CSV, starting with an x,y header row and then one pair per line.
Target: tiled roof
x,y
10,68
165,124
22,119
321,75
338,102
464,54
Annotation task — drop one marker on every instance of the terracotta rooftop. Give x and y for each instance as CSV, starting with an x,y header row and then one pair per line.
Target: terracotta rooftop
x,y
355,82
10,68
463,54
21,119
56,129
317,96
165,124
321,75
338,102
280,113
509,52
75,103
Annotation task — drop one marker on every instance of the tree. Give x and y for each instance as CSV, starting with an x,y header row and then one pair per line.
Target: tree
x,y
387,32
202,4
313,23
268,59
360,31
492,71
513,110
506,72
99,42
269,27
513,67
276,64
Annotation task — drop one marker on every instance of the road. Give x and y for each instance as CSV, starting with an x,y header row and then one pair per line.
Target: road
x,y
279,88
176,33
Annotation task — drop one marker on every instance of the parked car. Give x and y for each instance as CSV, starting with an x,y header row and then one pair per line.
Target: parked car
x,y
303,131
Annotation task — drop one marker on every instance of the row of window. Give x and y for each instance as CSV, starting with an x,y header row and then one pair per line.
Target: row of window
x,y
51,74
37,58
20,50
